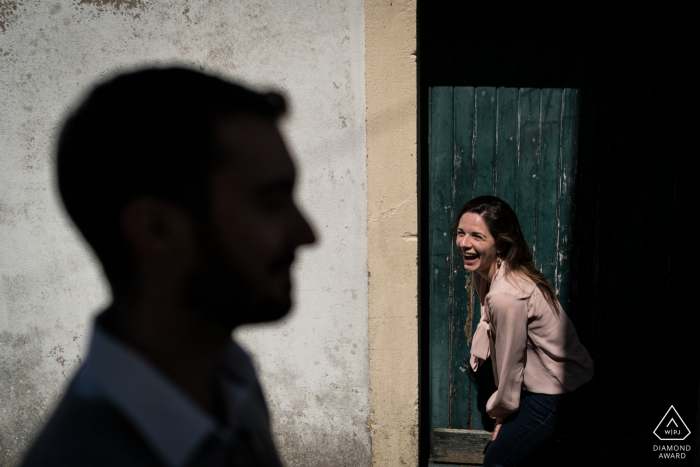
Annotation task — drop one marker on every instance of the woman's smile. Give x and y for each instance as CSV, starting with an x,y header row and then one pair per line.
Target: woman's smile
x,y
470,258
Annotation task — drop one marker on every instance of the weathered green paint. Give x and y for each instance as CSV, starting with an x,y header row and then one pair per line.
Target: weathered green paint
x,y
441,143
548,177
507,144
485,141
521,145
565,195
528,161
462,184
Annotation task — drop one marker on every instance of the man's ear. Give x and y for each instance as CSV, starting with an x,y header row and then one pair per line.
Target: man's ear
x,y
157,229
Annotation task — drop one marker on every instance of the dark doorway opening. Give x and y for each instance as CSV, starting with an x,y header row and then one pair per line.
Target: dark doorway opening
x,y
635,236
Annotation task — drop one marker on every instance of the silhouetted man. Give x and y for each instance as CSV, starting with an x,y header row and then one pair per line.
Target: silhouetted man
x,y
182,185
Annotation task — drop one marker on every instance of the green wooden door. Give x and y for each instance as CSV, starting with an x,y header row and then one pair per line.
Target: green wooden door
x,y
519,145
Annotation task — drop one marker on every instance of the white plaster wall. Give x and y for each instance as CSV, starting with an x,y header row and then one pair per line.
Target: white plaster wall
x,y
313,365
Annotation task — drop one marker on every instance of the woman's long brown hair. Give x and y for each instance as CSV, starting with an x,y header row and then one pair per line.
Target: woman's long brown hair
x,y
505,229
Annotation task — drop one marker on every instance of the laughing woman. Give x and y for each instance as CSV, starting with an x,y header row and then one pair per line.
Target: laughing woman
x,y
536,354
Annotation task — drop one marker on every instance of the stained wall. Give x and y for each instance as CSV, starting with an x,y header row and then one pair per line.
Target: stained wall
x,y
314,365
392,228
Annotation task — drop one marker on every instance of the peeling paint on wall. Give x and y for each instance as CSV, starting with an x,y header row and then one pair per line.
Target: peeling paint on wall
x,y
8,9
118,4
133,8
24,403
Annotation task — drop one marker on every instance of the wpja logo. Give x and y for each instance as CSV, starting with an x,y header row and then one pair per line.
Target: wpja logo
x,y
671,428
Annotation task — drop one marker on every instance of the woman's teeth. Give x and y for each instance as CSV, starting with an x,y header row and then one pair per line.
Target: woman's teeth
x,y
468,256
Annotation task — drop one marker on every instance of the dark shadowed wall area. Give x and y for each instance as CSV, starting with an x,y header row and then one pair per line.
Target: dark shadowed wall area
x,y
633,254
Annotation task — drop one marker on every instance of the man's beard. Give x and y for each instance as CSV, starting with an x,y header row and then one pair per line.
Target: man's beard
x,y
226,296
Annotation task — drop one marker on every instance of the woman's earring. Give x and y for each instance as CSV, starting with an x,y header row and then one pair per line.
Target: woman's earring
x,y
498,260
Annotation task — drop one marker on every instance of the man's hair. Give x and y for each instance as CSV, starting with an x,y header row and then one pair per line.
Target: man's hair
x,y
146,133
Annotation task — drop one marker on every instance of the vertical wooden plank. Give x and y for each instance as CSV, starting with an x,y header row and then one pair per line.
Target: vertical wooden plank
x,y
565,209
506,144
463,309
528,161
464,146
547,179
485,153
484,167
441,143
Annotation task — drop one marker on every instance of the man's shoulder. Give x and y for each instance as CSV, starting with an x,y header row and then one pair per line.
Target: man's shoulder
x,y
86,432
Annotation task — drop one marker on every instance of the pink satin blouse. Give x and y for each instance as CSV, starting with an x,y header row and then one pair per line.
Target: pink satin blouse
x,y
531,348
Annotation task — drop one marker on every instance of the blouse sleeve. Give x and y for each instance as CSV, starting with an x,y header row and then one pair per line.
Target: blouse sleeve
x,y
509,323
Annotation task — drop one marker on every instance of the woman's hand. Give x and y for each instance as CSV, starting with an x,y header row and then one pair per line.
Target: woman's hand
x,y
499,424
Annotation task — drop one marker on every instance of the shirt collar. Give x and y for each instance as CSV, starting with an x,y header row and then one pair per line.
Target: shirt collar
x,y
163,414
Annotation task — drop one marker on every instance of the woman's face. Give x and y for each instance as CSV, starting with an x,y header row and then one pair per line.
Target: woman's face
x,y
477,246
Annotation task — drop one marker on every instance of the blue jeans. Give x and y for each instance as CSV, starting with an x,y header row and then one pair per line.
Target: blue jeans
x,y
538,420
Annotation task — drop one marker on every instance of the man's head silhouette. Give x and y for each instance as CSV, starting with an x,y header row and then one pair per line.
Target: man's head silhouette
x,y
182,185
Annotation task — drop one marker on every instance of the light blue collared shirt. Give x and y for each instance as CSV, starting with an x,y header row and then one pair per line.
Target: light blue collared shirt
x,y
167,419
